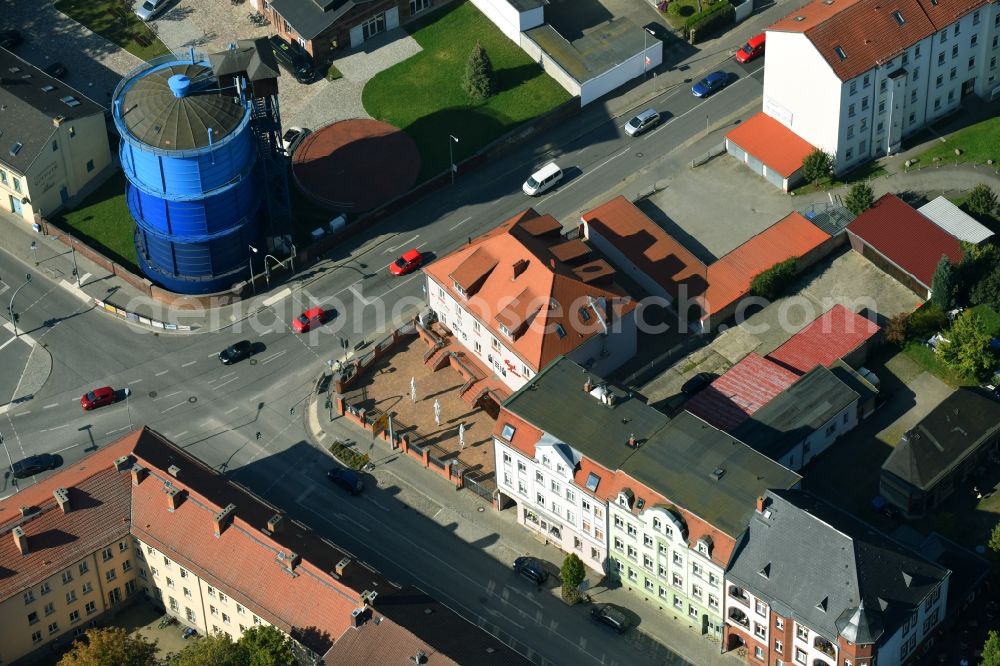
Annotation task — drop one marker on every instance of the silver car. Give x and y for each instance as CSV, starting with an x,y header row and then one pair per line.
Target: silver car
x,y
147,10
646,120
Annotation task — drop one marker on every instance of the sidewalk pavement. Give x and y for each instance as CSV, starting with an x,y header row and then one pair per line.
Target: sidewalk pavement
x,y
475,520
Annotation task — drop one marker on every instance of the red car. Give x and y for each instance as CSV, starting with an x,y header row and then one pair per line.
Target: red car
x,y
308,320
409,262
751,50
97,398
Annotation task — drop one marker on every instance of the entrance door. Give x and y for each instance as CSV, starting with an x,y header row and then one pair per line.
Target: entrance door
x,y
968,86
356,36
374,26
63,194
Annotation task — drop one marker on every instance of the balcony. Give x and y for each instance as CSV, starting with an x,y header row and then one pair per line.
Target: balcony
x,y
826,647
739,617
739,594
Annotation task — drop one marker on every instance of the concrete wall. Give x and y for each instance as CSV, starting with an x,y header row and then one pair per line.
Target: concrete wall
x,y
622,73
508,19
551,67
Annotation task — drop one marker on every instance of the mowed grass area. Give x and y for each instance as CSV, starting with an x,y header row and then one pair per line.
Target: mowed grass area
x,y
927,359
978,143
109,19
423,95
104,223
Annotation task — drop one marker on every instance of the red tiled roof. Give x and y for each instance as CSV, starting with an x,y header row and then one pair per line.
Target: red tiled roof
x,y
382,643
729,277
651,249
525,434
906,237
868,31
830,337
767,139
526,240
741,391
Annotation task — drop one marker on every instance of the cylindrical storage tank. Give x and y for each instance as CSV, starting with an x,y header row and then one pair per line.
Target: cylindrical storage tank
x,y
190,157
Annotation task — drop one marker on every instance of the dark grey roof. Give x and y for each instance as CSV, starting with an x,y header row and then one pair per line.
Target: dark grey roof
x,y
253,56
845,373
157,117
554,401
27,111
598,51
309,18
944,438
795,413
829,571
968,570
706,471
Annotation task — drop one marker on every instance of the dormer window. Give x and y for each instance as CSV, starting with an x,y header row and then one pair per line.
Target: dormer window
x,y
508,431
546,461
505,331
704,545
458,288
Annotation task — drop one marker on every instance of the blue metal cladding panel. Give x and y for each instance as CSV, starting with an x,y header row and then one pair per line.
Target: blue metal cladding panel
x,y
226,255
195,221
191,175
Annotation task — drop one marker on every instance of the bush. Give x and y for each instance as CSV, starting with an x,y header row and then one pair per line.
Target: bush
x,y
572,574
348,456
981,200
925,322
944,285
967,350
332,73
817,165
773,282
704,22
860,198
896,331
480,80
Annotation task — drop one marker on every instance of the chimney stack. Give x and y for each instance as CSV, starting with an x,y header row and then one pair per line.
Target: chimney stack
x,y
587,386
341,565
631,441
174,497
138,474
62,498
224,519
121,463
762,503
274,523
21,539
174,471
27,511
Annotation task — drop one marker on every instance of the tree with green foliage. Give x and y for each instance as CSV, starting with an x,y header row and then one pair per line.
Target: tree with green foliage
x,y
926,321
987,291
860,198
772,282
112,646
991,650
944,285
816,165
994,542
480,79
267,646
216,649
967,349
981,200
572,574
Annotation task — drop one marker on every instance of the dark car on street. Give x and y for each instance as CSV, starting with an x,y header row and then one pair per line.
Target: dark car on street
x,y
712,83
610,616
532,569
9,39
32,465
698,382
293,58
236,352
347,479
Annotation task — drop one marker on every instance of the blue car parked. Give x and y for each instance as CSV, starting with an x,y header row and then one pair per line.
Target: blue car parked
x,y
712,83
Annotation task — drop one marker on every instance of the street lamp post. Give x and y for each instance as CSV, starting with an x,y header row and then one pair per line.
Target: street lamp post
x,y
76,269
128,407
451,158
9,460
10,308
253,284
34,251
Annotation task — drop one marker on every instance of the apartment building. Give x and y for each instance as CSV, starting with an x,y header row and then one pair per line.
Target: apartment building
x,y
141,520
855,77
811,584
53,140
654,502
522,294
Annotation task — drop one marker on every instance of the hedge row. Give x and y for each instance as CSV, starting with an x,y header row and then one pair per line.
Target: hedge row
x,y
708,21
709,11
348,456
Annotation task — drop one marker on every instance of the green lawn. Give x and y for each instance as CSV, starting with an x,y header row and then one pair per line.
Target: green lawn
x,y
423,95
978,143
111,20
864,172
104,222
928,360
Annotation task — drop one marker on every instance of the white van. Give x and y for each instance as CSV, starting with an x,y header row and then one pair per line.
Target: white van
x,y
543,179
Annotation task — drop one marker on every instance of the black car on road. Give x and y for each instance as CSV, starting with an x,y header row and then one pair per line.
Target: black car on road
x,y
291,56
236,352
347,479
36,464
532,569
609,615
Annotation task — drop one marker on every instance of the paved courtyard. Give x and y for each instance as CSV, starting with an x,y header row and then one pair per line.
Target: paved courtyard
x,y
386,385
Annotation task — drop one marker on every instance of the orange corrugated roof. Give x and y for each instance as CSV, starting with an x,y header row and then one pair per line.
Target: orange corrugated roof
x,y
651,249
740,391
729,277
829,337
545,285
765,138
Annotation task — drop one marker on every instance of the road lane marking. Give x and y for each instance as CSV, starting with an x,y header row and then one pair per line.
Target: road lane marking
x,y
228,374
24,413
180,434
117,430
218,386
230,411
188,363
76,291
162,372
134,381
387,291
67,448
460,223
7,343
271,300
274,356
174,407
169,395
64,425
357,294
83,278
393,249
54,404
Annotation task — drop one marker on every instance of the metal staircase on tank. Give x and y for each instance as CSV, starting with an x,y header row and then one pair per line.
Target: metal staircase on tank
x,y
265,121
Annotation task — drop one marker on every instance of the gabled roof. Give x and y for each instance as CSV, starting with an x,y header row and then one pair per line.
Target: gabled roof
x,y
253,56
729,277
855,36
831,336
651,249
765,138
944,439
310,18
740,391
906,238
826,569
953,220
512,274
796,413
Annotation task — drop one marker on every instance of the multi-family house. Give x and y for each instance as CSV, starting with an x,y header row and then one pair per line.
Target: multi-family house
x,y
523,294
655,502
813,585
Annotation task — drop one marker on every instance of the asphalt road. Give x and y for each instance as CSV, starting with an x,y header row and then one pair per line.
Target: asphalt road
x,y
246,419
